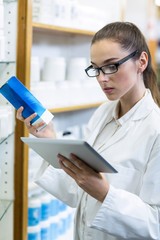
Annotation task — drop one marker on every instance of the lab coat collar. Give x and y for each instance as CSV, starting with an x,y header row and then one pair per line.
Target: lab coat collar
x,y
146,106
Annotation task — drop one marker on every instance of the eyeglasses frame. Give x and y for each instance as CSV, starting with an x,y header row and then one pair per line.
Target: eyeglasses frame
x,y
117,64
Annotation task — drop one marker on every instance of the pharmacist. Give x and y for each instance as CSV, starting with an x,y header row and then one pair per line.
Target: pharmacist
x,y
125,131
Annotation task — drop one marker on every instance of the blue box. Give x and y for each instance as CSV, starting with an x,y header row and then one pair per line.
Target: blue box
x,y
18,95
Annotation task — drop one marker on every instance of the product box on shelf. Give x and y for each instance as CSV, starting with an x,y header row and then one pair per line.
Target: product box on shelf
x,y
49,217
18,95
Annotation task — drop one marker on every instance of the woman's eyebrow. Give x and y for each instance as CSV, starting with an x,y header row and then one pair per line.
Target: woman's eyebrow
x,y
107,61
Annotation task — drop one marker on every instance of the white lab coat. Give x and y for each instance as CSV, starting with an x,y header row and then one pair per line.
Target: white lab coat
x,y
131,209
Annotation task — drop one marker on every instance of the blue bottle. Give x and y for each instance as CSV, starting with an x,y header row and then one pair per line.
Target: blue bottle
x,y
18,95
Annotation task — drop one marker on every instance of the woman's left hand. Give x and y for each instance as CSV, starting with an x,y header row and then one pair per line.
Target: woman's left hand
x,y
92,182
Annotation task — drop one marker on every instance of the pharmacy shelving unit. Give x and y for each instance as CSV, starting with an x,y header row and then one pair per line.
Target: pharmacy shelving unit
x,y
26,31
64,32
7,121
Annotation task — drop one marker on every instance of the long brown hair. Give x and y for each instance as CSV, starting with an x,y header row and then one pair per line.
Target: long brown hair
x,y
131,38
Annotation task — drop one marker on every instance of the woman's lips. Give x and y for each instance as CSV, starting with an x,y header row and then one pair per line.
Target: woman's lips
x,y
108,90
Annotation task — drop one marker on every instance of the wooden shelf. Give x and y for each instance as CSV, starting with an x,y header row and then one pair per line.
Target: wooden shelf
x,y
75,108
58,29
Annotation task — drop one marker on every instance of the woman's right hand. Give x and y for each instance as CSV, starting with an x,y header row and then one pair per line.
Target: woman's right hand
x,y
47,131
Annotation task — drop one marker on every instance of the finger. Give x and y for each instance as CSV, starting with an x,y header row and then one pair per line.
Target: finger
x,y
19,113
74,163
27,123
66,166
79,162
29,119
39,125
67,163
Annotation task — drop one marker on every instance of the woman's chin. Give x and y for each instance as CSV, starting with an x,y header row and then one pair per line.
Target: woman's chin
x,y
111,97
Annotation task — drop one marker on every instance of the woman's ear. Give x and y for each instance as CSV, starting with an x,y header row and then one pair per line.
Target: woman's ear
x,y
142,62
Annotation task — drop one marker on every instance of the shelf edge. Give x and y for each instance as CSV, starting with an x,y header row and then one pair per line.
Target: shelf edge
x,y
54,28
75,107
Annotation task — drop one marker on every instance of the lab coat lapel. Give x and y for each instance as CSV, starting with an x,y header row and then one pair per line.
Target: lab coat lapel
x,y
140,113
118,135
105,119
100,125
144,109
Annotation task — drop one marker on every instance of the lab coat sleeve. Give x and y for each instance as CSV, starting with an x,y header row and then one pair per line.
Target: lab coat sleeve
x,y
58,183
128,216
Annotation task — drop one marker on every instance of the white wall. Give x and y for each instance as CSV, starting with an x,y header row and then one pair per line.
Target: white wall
x,y
140,12
137,12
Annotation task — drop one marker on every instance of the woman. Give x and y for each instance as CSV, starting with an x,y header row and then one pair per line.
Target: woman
x,y
124,130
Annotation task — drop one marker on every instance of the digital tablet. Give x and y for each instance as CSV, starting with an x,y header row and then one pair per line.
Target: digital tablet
x,y
49,148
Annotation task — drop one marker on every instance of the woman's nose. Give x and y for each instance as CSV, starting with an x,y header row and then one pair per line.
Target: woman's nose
x,y
103,77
